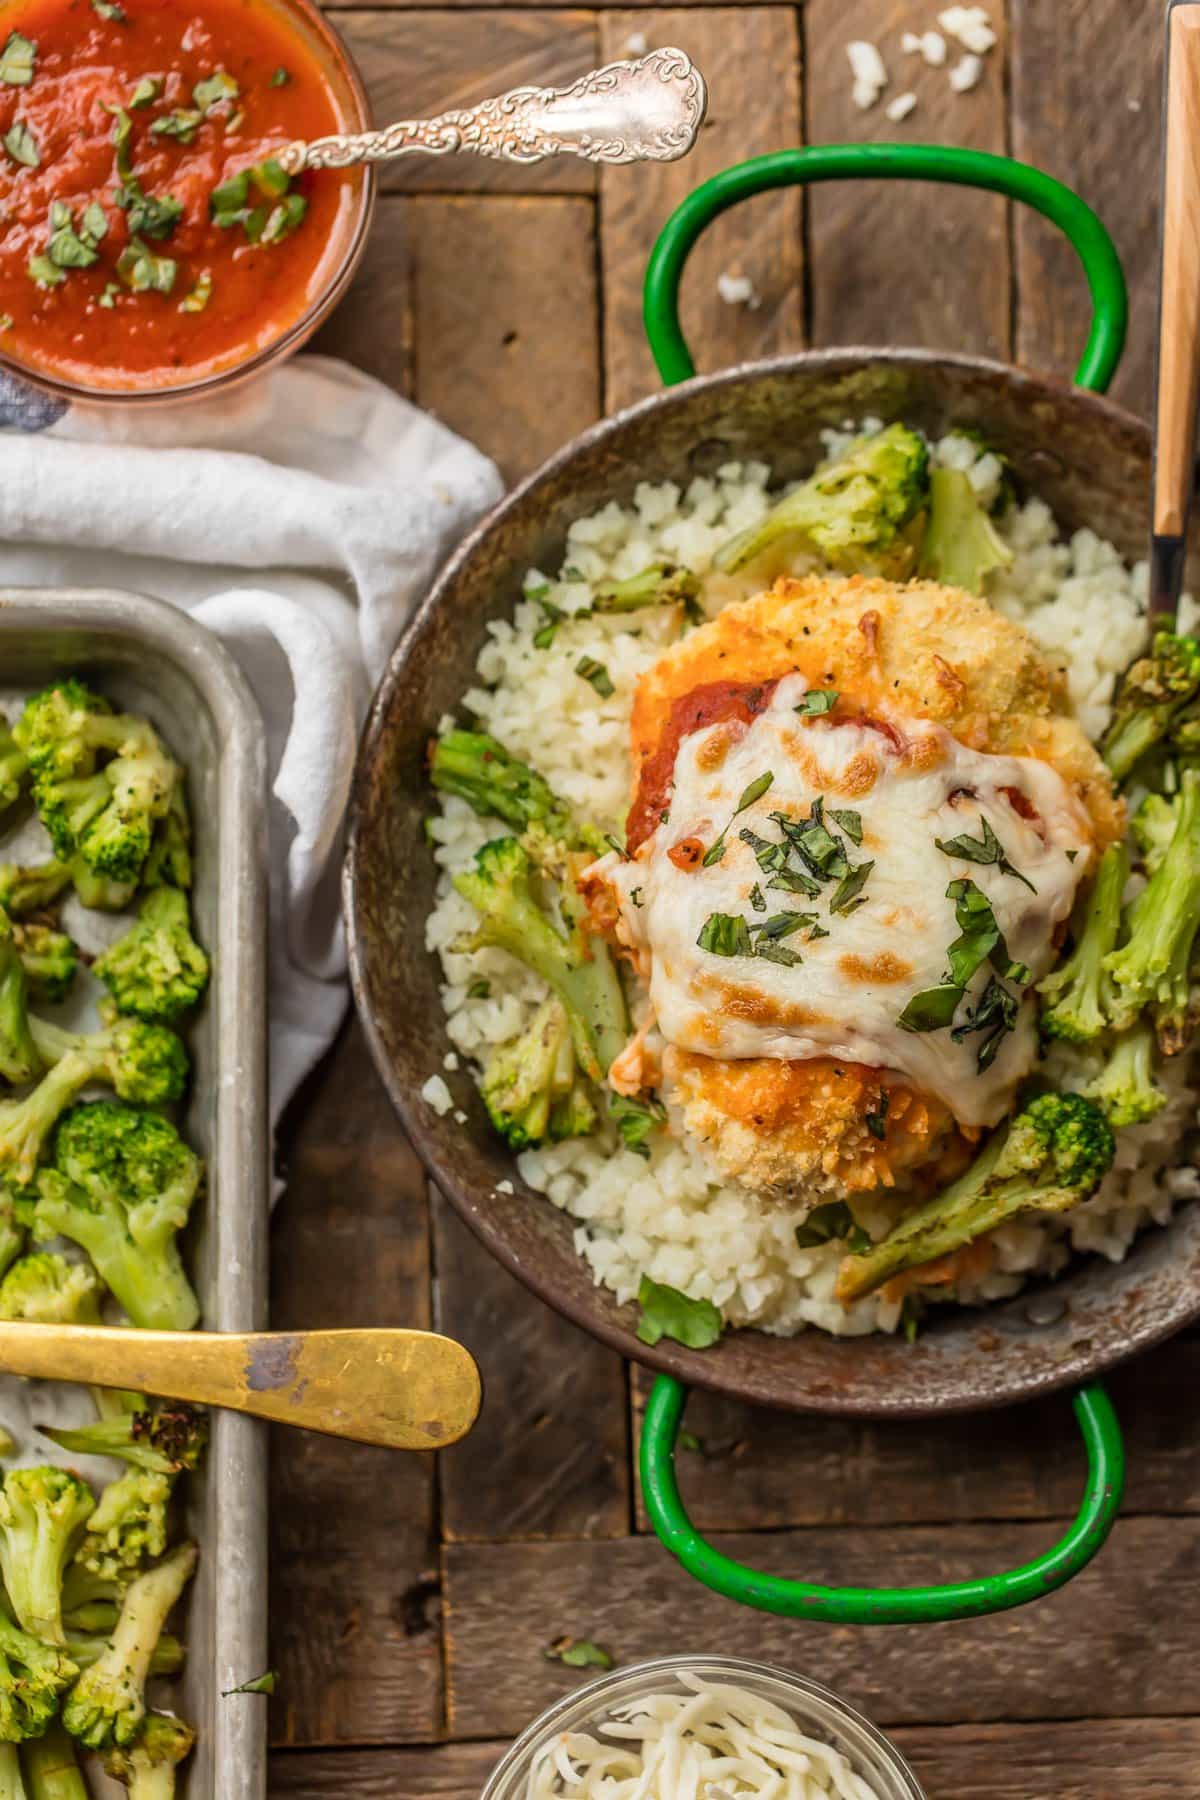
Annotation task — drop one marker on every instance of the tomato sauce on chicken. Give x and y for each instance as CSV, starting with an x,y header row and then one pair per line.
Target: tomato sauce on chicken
x,y
146,234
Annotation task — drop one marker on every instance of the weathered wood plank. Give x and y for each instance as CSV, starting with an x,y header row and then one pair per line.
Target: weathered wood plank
x,y
354,1617
755,1470
1086,77
423,62
1106,1645
549,1456
1077,1759
905,264
506,321
373,326
753,62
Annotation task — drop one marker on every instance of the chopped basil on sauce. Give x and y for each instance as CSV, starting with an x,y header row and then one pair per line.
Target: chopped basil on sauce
x,y
284,218
71,247
200,295
182,124
108,9
755,791
146,91
6,321
986,849
21,145
215,90
280,78
596,673
43,273
816,702
149,215
110,296
17,60
234,122
144,272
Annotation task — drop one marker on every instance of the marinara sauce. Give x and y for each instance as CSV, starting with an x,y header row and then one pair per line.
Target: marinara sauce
x,y
146,236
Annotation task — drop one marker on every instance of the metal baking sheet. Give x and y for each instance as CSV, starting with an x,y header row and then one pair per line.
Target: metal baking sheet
x,y
150,657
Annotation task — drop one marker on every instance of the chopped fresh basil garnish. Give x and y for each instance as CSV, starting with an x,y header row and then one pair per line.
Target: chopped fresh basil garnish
x,y
816,702
933,1009
817,848
791,881
596,673
110,296
21,145
982,938
755,791
235,121
545,635
17,60
615,844
996,1015
6,321
284,218
214,90
876,1121
847,895
201,294
668,1313
829,1224
756,899
43,273
266,1683
768,856
143,272
850,822
986,849
280,78
72,248
771,951
108,9
149,215
781,925
579,1653
725,934
182,124
635,1120
146,91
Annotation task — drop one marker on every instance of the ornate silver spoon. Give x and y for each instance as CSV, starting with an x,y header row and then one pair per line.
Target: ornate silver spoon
x,y
645,111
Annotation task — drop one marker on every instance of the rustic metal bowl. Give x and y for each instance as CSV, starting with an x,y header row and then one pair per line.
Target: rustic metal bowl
x,y
1091,462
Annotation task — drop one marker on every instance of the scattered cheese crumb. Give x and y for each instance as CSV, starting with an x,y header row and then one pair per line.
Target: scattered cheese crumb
x,y
505,1187
970,26
870,75
737,290
900,107
910,43
636,43
966,74
933,49
1135,106
460,1117
450,1061
436,1094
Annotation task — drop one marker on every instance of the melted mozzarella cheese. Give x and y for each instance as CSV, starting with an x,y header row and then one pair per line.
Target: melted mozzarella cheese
x,y
910,783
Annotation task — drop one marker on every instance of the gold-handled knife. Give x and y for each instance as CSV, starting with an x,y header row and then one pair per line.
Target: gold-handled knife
x,y
406,1390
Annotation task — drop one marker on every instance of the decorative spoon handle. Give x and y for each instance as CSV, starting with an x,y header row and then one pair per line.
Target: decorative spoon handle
x,y
407,1390
645,111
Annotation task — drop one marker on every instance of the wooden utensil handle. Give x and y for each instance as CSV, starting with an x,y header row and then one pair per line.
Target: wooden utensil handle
x,y
1179,354
407,1390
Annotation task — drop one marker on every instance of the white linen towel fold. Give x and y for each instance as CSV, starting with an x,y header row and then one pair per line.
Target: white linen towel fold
x,y
340,500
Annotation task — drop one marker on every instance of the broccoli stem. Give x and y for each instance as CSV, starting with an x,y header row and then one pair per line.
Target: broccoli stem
x,y
1154,967
1077,996
108,1703
1126,1088
19,1059
12,1782
54,1773
478,769
662,584
961,546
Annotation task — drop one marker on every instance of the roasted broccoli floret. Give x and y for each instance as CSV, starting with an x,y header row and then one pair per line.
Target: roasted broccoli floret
x,y
50,960
530,1086
108,1702
13,1203
121,1187
45,1289
19,1059
662,584
1053,1155
1153,967
143,1063
169,863
1077,1000
1126,1087
1154,694
32,1677
52,1768
1153,829
961,546
569,957
129,1525
148,1766
164,1438
28,887
100,892
107,814
14,769
157,970
480,771
42,1513
860,513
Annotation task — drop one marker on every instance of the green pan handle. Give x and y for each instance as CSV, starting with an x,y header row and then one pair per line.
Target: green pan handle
x,y
1093,1409
882,1606
889,162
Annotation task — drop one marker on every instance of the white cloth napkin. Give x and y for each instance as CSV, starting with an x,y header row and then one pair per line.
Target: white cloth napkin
x,y
339,500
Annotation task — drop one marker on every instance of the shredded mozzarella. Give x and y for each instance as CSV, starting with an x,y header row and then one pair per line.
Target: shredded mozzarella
x,y
713,1742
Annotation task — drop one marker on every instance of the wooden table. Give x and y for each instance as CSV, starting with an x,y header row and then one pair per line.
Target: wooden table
x,y
411,1603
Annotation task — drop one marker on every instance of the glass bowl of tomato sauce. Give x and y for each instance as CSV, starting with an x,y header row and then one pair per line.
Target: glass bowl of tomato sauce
x,y
151,247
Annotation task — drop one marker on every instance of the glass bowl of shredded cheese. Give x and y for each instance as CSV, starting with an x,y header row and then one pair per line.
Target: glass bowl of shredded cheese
x,y
702,1728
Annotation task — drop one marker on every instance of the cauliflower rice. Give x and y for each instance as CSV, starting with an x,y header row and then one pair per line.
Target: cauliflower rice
x,y
667,1217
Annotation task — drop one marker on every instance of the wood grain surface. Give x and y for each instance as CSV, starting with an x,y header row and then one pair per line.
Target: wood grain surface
x,y
411,1608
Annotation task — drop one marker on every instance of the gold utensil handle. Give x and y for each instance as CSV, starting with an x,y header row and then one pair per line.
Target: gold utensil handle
x,y
406,1390
1179,341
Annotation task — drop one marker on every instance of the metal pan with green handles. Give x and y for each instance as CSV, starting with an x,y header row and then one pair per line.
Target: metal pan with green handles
x,y
1090,461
